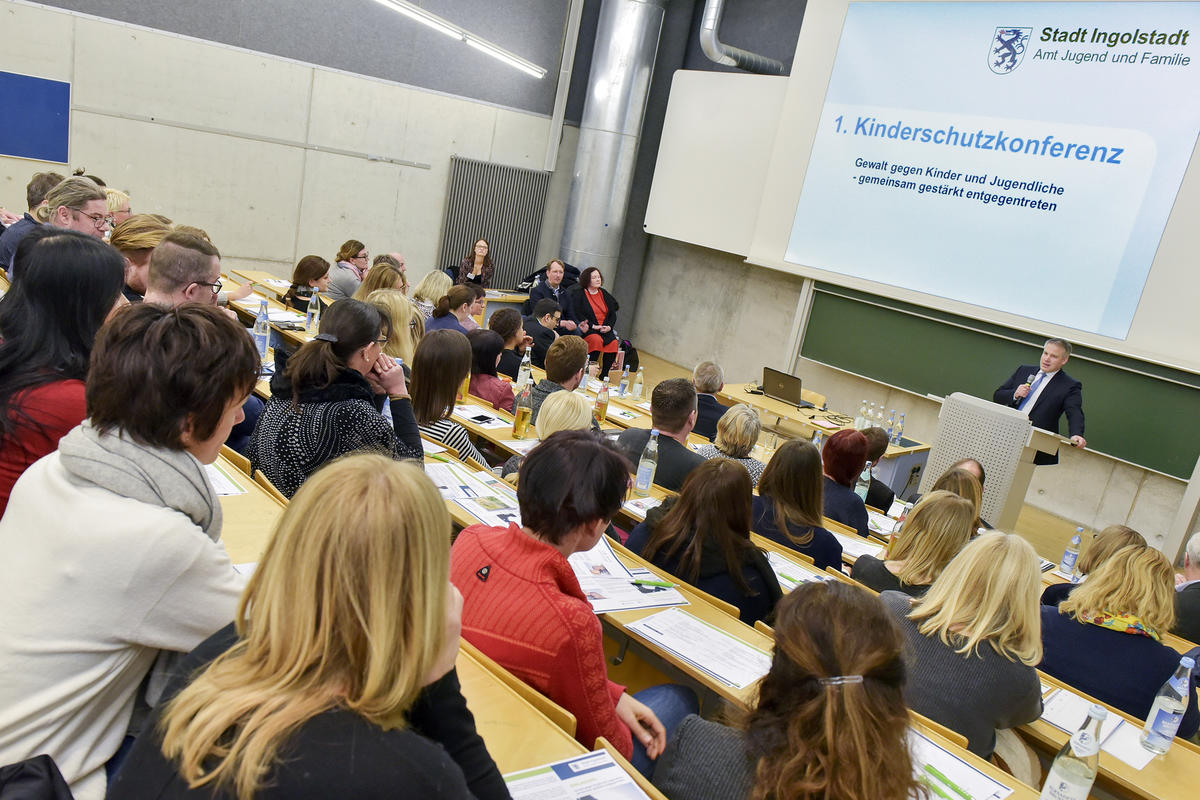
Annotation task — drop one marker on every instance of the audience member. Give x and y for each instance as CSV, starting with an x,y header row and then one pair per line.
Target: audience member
x,y
673,414
382,275
477,266
566,361
452,310
120,206
507,322
737,433
311,274
478,304
183,269
879,495
974,639
703,537
523,607
844,456
936,529
407,325
349,269
562,411
136,239
1101,548
708,378
1105,640
425,294
302,696
35,195
440,365
830,719
788,507
326,403
394,260
69,285
77,204
127,560
486,347
963,483
541,329
1187,593
596,312
554,288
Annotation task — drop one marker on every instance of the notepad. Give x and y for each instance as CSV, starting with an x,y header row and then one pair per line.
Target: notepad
x,y
857,546
948,776
791,574
222,482
824,423
713,651
1067,711
595,776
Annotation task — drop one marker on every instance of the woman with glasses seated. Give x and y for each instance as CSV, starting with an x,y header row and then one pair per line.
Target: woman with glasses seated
x,y
353,260
477,266
326,402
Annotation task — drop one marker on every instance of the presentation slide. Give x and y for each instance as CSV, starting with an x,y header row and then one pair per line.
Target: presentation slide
x,y
1022,157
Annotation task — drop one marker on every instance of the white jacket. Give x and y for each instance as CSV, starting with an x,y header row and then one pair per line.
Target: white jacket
x,y
92,586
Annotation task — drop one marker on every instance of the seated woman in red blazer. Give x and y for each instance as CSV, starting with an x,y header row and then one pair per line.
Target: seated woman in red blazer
x,y
595,310
486,348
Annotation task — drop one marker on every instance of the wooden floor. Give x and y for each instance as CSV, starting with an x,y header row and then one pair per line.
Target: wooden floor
x,y
1047,532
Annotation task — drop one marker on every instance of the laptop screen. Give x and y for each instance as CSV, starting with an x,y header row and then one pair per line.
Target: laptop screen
x,y
781,386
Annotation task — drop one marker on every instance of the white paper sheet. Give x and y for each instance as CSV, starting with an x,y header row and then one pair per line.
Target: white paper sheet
x,y
791,574
638,506
949,775
856,546
593,775
1059,573
614,594
479,416
1046,564
644,406
1125,743
706,647
600,561
826,424
248,568
523,446
454,482
1067,711
880,523
222,482
495,517
621,413
278,283
431,448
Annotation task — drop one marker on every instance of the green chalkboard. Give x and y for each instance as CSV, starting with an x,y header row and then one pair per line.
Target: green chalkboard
x,y
1148,419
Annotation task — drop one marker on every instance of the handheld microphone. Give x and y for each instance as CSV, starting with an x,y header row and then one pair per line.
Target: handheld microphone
x,y
1029,380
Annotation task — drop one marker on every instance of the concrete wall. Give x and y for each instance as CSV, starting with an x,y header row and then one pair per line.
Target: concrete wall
x,y
239,143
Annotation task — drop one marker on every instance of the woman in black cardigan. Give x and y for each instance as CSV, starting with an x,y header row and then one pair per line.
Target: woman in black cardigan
x,y
595,310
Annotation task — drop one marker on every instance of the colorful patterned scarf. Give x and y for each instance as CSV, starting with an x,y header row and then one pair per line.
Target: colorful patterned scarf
x,y
1125,623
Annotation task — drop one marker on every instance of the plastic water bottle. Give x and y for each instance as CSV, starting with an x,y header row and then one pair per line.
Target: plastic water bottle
x,y
1167,711
623,386
869,420
1074,769
525,372
878,423
312,320
818,440
898,431
647,464
864,482
639,384
891,424
1071,554
262,330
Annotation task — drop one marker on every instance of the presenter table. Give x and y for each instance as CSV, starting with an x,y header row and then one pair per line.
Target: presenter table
x,y
496,299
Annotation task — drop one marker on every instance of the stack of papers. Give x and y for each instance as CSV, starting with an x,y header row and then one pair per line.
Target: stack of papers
x,y
593,775
431,448
610,586
621,413
638,506
857,546
949,777
523,446
826,424
278,283
644,406
1067,711
476,415
481,494
1068,578
222,482
791,574
1047,565
716,653
879,523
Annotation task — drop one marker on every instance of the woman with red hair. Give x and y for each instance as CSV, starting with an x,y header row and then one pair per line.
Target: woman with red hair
x,y
843,459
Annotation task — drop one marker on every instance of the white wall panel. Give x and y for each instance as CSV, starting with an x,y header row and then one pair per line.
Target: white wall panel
x,y
353,113
519,139
34,41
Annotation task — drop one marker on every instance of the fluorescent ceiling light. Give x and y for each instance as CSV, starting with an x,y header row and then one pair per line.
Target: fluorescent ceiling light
x,y
418,14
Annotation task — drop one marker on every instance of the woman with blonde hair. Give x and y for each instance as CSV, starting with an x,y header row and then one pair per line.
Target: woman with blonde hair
x,y
1106,638
964,484
787,509
407,325
937,528
119,206
737,433
433,286
830,720
397,261
136,239
974,641
383,275
1102,547
561,411
334,679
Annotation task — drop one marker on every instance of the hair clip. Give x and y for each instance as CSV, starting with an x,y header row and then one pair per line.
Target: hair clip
x,y
838,680
327,337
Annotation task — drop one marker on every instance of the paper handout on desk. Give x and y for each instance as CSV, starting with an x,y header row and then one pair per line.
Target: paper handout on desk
x,y
610,586
949,776
880,523
857,546
1067,711
621,413
522,446
479,416
638,506
706,647
592,775
222,482
791,574
481,494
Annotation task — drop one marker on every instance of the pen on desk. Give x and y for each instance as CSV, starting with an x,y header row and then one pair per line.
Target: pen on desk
x,y
935,772
935,788
436,457
645,582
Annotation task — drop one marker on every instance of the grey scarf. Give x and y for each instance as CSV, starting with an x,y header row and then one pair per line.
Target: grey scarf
x,y
154,475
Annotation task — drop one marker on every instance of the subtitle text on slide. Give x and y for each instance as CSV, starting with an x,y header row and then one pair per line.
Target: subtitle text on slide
x,y
996,190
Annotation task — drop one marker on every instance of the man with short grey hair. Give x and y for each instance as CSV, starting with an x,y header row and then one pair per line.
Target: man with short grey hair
x,y
708,378
1044,392
1187,593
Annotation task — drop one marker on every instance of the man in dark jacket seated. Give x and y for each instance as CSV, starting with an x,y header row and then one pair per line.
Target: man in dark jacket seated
x,y
673,414
554,287
540,327
708,378
1187,594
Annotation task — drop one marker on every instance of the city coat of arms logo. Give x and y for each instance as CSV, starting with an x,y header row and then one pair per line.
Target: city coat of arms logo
x,y
1007,49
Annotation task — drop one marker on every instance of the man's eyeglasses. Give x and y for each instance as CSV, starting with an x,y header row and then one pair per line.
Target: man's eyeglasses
x,y
216,287
99,220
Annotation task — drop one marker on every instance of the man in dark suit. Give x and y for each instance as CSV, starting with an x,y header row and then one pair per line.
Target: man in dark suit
x,y
540,327
554,287
879,495
1044,392
1187,594
673,413
708,378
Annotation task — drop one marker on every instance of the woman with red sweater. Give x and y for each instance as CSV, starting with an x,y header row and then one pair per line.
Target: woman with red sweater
x,y
69,283
486,348
523,607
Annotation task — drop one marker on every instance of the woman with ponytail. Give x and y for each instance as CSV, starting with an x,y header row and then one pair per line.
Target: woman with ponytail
x,y
327,402
830,721
310,275
452,311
